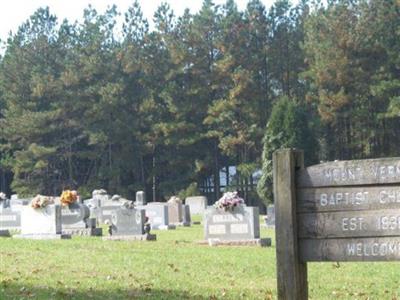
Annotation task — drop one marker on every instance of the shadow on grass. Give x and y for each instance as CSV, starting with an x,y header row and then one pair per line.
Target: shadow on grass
x,y
19,291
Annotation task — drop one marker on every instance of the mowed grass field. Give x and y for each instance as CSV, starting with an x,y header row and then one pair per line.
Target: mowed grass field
x,y
173,267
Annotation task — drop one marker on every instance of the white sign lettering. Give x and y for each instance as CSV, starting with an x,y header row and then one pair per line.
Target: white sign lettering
x,y
227,218
216,229
9,218
239,228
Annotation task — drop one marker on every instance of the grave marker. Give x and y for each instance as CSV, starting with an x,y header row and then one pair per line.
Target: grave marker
x,y
76,221
157,212
240,226
270,220
186,218
41,223
198,204
128,223
140,198
175,214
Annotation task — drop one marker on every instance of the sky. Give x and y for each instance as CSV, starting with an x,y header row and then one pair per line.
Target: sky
x,y
13,13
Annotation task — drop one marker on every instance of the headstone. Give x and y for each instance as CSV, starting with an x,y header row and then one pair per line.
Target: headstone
x,y
187,220
14,197
270,220
198,204
94,208
10,219
237,227
175,215
128,223
106,210
101,196
140,198
157,213
76,220
101,205
41,223
18,203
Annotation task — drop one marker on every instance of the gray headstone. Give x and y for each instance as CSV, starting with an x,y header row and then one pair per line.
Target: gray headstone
x,y
4,203
175,215
198,204
187,220
101,196
240,224
101,206
140,198
127,221
19,202
10,219
74,216
105,213
270,220
94,208
157,213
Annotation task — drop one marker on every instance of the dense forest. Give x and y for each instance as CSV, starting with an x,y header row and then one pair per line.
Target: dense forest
x,y
170,107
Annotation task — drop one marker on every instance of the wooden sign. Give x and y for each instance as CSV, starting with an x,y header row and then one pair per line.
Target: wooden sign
x,y
335,211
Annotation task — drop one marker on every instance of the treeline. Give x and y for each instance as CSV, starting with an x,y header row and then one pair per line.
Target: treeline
x,y
168,108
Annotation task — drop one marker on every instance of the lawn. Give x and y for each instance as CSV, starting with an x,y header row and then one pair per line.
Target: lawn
x,y
173,267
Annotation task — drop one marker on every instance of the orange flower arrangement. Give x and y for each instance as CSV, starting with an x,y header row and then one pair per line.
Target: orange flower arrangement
x,y
68,197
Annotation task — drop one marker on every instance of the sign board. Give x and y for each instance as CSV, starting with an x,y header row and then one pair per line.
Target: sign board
x,y
335,211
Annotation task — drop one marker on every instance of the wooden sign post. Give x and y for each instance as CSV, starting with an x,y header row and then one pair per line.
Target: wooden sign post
x,y
335,211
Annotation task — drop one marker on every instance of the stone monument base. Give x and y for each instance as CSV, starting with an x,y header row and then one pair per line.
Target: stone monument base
x,y
84,231
165,227
182,224
43,236
265,242
141,237
5,233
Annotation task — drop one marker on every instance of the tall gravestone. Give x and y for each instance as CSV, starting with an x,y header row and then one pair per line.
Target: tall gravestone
x,y
140,198
270,220
186,217
239,226
175,214
128,223
41,223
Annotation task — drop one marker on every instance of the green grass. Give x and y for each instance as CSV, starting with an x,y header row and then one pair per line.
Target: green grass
x,y
173,267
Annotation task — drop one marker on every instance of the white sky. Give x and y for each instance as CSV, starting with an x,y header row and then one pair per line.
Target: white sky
x,y
14,12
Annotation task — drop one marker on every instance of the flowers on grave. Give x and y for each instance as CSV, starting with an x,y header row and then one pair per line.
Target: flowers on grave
x,y
68,197
229,201
40,201
175,199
